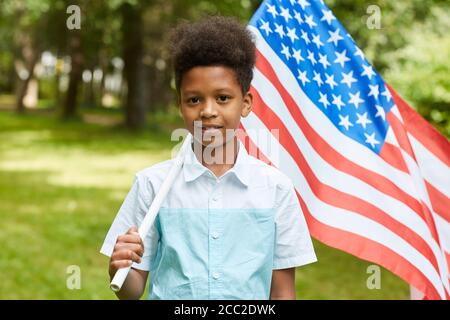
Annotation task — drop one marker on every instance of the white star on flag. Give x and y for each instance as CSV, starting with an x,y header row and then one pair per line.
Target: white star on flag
x,y
370,139
279,29
334,37
337,101
324,100
316,40
310,21
265,26
348,79
341,58
303,3
292,35
272,10
355,99
387,95
305,37
303,77
285,51
298,17
374,91
311,57
327,16
285,14
368,71
362,120
324,61
317,79
330,81
380,112
345,122
297,55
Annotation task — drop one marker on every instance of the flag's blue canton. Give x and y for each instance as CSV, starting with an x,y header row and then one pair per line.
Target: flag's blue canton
x,y
329,67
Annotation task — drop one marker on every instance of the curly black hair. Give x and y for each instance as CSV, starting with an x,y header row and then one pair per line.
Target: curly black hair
x,y
213,41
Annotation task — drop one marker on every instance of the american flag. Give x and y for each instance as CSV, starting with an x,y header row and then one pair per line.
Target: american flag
x,y
371,175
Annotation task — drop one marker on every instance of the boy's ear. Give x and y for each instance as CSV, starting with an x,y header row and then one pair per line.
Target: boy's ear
x,y
247,104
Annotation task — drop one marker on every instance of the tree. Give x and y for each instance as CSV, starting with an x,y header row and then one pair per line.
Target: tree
x,y
133,54
24,20
76,70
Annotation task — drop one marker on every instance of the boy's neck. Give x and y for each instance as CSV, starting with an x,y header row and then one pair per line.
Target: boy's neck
x,y
219,159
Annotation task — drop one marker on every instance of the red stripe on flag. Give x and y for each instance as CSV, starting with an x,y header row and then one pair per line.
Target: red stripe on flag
x,y
251,147
328,153
439,202
333,196
400,134
392,155
424,132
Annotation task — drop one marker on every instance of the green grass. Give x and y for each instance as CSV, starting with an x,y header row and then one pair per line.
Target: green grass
x,y
61,184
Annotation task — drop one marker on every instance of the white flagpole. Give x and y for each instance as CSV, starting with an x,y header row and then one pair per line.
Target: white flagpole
x,y
121,274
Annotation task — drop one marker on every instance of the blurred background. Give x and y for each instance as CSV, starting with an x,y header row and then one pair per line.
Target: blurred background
x,y
82,110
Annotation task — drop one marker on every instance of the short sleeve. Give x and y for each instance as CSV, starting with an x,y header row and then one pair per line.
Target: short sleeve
x,y
131,214
293,245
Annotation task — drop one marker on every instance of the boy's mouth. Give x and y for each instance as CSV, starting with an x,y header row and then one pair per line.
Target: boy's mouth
x,y
209,128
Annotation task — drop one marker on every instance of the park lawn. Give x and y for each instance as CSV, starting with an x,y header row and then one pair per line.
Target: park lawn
x,y
61,184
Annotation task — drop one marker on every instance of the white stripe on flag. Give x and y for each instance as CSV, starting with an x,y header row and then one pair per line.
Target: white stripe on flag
x,y
443,229
432,168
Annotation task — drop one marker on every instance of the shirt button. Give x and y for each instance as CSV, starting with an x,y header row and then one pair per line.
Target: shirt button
x,y
215,198
216,276
215,235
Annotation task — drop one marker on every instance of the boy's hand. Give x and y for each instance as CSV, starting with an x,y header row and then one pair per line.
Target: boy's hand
x,y
129,248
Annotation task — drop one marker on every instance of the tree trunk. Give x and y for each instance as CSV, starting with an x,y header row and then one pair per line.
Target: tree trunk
x,y
133,66
29,56
57,90
76,59
89,91
23,85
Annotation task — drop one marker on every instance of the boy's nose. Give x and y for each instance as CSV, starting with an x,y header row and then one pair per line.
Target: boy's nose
x,y
209,110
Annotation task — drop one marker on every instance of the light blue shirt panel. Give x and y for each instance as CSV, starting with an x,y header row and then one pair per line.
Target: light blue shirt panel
x,y
222,254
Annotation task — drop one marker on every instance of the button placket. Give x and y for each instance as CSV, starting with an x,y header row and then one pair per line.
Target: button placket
x,y
215,258
215,199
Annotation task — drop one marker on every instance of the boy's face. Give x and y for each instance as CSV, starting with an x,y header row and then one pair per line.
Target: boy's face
x,y
212,104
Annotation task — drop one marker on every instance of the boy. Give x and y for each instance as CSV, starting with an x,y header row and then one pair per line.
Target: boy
x,y
231,226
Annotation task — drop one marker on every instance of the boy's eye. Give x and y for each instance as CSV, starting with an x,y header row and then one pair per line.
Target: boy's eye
x,y
223,98
193,100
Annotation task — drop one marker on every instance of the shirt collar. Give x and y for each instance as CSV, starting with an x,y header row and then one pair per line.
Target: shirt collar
x,y
192,168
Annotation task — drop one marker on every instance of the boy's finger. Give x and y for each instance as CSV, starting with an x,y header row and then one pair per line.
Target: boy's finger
x,y
135,247
129,238
126,255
